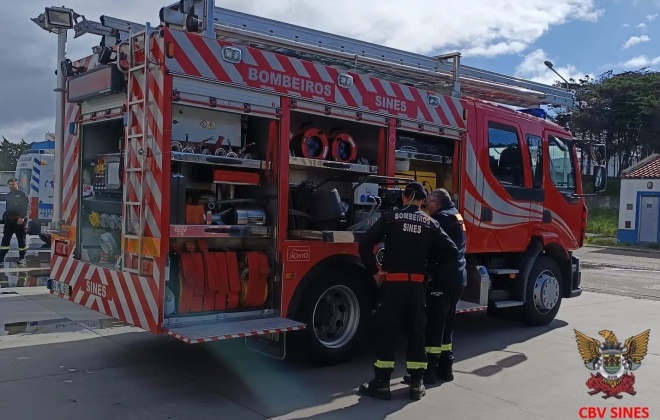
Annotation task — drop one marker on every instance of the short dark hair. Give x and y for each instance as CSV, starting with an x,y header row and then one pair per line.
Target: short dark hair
x,y
415,189
442,196
12,180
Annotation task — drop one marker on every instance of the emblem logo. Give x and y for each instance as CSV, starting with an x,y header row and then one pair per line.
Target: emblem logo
x,y
612,361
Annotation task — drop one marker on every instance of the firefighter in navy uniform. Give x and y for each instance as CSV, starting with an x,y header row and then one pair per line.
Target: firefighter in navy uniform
x,y
413,241
15,219
444,290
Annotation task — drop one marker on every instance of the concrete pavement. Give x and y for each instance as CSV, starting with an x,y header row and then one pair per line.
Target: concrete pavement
x,y
63,361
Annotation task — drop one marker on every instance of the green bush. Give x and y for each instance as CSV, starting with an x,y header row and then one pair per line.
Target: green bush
x,y
603,222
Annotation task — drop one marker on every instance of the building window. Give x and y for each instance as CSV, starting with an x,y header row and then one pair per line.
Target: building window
x,y
536,159
629,206
628,224
505,154
561,163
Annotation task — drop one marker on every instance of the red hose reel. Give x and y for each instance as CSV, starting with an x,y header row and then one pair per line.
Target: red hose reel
x,y
344,148
312,143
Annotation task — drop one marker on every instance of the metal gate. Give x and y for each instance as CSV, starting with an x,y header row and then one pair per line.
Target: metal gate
x,y
649,211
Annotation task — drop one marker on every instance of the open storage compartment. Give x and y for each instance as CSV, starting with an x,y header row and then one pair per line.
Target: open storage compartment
x,y
426,158
100,201
335,190
222,213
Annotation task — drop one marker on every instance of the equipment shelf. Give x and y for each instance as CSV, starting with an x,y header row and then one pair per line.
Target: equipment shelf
x,y
295,161
218,160
401,154
328,236
220,231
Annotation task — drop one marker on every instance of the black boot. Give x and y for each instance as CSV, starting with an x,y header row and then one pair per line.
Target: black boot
x,y
429,373
417,388
380,386
444,370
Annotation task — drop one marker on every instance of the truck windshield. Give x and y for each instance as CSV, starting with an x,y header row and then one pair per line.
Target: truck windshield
x,y
24,177
562,163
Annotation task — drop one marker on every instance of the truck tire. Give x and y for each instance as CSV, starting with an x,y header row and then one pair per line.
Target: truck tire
x,y
337,310
45,239
544,295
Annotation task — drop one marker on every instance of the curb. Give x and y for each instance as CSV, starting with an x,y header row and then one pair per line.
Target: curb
x,y
625,248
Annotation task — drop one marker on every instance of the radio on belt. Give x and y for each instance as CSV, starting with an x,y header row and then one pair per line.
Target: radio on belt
x,y
363,192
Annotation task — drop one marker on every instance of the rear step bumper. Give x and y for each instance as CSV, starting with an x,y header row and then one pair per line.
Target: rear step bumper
x,y
207,331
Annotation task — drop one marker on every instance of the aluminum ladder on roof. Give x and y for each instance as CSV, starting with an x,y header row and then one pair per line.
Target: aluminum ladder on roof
x,y
441,73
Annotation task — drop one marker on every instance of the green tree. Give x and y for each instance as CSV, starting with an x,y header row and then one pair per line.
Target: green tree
x,y
10,152
620,110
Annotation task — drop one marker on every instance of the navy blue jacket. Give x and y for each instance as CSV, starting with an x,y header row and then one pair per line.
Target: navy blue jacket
x,y
452,223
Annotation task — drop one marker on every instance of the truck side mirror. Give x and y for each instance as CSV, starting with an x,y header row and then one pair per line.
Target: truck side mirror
x,y
598,152
600,178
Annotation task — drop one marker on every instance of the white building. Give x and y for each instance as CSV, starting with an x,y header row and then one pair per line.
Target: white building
x,y
639,209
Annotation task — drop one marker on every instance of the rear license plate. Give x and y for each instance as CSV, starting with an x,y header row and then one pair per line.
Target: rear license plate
x,y
59,287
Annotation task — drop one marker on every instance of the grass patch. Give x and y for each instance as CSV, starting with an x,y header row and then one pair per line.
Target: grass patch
x,y
603,222
600,241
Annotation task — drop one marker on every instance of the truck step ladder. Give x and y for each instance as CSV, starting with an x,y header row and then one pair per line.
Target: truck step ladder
x,y
136,144
263,333
443,74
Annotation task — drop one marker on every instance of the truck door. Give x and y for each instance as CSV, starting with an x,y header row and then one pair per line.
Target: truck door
x,y
563,211
506,190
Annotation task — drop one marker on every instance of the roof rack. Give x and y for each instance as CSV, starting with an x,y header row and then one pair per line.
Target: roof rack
x,y
443,74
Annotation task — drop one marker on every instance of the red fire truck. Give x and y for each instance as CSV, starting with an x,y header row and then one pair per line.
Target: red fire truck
x,y
220,168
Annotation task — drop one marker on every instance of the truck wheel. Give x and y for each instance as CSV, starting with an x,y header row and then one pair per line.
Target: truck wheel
x,y
544,294
336,309
45,239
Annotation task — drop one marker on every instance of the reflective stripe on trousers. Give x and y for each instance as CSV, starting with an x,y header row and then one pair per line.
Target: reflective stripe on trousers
x,y
438,350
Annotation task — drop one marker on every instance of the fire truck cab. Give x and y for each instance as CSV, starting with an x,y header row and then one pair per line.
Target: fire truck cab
x,y
220,169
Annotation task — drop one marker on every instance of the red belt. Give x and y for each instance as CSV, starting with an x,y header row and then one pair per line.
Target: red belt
x,y
405,277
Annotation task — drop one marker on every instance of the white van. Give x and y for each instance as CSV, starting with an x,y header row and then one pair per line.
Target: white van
x,y
35,172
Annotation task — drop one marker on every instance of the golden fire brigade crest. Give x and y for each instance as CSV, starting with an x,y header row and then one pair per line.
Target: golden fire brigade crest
x,y
612,361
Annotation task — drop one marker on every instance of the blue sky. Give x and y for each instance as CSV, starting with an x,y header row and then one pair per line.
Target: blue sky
x,y
593,47
508,36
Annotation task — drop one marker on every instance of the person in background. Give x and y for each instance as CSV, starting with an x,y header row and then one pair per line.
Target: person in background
x,y
15,220
444,290
413,242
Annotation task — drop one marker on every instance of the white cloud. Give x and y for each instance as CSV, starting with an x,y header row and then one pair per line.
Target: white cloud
x,y
532,67
640,61
476,28
652,17
634,40
626,25
641,26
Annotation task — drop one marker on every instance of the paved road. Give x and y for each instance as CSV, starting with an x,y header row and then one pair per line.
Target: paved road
x,y
621,272
62,361
80,361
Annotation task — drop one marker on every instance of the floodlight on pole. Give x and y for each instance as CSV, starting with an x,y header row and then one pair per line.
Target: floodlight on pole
x,y
58,20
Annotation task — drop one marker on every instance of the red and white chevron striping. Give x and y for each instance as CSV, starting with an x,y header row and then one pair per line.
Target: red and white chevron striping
x,y
230,336
201,57
106,291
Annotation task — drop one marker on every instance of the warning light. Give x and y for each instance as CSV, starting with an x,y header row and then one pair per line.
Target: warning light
x,y
345,80
169,51
433,101
231,55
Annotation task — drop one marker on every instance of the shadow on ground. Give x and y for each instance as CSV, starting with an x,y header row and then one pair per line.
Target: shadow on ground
x,y
278,388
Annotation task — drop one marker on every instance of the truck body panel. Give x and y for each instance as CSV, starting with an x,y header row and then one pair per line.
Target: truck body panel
x,y
300,155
